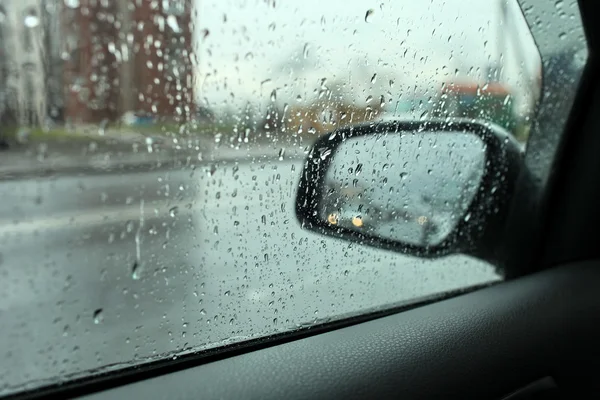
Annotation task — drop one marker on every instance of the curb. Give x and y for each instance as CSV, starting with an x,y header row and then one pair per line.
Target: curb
x,y
128,167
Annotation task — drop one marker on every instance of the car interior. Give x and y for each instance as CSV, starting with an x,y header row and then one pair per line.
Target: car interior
x,y
531,336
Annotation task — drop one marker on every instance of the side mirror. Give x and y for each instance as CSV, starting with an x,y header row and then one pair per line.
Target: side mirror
x,y
427,189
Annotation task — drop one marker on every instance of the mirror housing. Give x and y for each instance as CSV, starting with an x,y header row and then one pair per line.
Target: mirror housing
x,y
479,232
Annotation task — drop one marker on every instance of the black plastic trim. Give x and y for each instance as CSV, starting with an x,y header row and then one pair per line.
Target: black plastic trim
x,y
94,381
477,236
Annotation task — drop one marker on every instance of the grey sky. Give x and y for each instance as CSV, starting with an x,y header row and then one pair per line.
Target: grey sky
x,y
254,48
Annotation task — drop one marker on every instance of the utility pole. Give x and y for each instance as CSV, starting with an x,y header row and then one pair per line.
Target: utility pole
x,y
51,17
127,58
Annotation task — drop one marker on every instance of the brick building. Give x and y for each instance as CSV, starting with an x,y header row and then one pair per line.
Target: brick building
x,y
128,56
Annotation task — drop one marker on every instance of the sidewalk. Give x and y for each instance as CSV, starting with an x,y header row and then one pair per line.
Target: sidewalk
x,y
21,162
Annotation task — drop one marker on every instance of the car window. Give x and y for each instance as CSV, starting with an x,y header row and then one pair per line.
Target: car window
x,y
150,153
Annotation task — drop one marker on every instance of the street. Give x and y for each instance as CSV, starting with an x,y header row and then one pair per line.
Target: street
x,y
112,269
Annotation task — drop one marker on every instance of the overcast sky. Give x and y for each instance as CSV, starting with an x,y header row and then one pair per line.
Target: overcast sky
x,y
254,47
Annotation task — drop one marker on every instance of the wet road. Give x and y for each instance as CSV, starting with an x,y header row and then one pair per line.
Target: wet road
x,y
107,269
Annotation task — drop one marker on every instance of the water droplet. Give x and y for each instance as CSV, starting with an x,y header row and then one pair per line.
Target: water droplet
x,y
305,51
211,171
72,3
467,217
129,225
149,143
98,316
374,78
281,154
136,270
369,15
31,20
173,24
274,95
325,154
358,169
102,127
173,211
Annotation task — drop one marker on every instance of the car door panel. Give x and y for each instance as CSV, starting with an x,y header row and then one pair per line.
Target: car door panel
x,y
484,344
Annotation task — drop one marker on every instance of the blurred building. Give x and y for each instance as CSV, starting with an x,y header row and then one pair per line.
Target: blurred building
x,y
127,57
22,63
325,115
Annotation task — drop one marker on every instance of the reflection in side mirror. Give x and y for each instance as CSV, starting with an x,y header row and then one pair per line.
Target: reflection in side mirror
x,y
423,188
411,187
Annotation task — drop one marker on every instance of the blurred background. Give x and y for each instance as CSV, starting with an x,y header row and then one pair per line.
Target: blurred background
x,y
199,74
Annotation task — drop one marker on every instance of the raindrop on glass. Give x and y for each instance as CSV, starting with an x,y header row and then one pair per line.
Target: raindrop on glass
x,y
136,270
72,3
358,169
98,316
31,20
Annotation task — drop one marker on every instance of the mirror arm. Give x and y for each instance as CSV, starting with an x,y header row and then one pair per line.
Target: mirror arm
x,y
518,232
510,225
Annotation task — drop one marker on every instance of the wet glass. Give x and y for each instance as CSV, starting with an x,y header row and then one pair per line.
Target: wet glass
x,y
150,152
408,187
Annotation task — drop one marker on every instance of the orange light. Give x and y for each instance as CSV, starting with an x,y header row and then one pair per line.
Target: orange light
x,y
332,219
357,221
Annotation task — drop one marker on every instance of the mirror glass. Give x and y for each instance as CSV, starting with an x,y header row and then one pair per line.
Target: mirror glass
x,y
409,187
